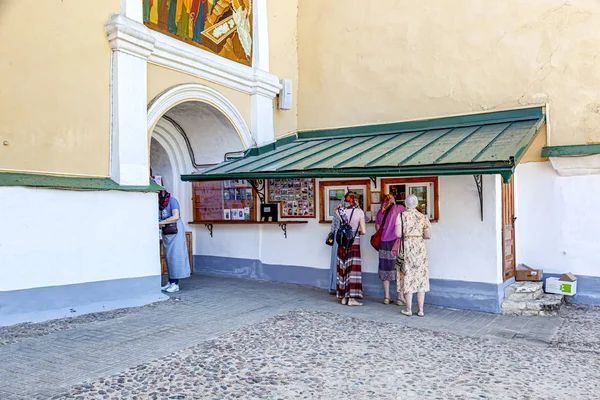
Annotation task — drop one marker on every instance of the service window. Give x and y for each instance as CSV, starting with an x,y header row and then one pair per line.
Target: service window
x,y
332,193
426,190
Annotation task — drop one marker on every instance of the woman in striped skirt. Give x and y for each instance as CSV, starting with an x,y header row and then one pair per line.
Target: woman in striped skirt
x,y
349,272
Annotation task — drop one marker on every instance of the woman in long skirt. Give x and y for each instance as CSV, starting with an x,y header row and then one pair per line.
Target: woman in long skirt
x,y
349,271
335,225
175,245
388,247
416,228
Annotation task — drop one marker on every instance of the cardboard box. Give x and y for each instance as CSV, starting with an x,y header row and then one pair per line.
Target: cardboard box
x,y
526,273
566,284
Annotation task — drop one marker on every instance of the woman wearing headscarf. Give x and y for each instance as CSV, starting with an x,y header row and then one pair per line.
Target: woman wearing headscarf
x,y
388,247
349,272
174,244
335,225
416,228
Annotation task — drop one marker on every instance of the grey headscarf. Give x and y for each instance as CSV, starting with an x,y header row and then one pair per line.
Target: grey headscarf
x,y
411,202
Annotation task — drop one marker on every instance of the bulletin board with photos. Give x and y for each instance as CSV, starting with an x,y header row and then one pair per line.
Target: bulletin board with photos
x,y
224,200
296,197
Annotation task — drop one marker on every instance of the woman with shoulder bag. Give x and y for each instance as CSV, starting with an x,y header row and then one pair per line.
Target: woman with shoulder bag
x,y
335,225
388,246
173,236
349,271
413,228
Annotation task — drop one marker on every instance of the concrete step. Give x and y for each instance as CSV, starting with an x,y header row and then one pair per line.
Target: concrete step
x,y
524,291
548,304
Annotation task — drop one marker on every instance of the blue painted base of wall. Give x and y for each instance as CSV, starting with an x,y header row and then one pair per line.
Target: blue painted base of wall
x,y
486,297
41,304
588,289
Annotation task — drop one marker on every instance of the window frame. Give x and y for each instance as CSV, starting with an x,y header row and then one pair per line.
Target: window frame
x,y
346,184
425,180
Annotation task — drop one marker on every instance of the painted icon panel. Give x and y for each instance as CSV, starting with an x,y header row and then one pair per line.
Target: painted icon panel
x,y
223,27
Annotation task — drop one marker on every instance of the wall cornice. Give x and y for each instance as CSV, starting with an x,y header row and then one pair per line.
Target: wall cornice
x,y
129,37
136,39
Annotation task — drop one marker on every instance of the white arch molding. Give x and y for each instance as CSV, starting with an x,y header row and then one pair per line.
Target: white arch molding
x,y
181,163
196,92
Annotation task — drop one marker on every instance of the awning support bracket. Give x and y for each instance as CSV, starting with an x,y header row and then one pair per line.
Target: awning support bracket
x,y
284,229
258,185
210,228
479,184
374,179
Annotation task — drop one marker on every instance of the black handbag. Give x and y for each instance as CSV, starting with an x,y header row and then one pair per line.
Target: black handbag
x,y
330,239
170,229
400,261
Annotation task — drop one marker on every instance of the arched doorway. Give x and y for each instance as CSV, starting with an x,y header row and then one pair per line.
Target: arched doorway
x,y
190,128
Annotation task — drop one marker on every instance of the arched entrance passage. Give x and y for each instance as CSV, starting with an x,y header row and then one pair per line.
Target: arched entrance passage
x,y
192,126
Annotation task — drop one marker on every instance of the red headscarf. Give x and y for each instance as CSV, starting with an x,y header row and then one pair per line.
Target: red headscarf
x,y
163,199
351,198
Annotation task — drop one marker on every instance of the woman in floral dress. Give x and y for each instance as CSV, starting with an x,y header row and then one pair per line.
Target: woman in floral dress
x,y
416,228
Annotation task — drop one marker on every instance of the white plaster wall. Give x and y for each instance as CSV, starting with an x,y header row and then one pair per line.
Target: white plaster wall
x,y
60,237
462,247
558,221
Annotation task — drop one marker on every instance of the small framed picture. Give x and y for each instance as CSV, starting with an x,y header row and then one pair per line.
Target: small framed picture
x,y
376,197
227,214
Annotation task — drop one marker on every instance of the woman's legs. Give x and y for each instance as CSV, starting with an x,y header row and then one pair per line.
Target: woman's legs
x,y
408,298
386,289
420,300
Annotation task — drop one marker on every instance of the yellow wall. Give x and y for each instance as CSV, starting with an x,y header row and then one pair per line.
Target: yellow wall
x,y
54,86
161,79
366,62
283,58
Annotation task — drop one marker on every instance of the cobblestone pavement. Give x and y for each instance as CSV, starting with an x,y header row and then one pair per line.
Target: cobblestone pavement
x,y
269,340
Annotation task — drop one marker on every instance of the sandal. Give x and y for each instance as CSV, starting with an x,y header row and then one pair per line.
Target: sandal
x,y
400,303
353,302
387,300
407,313
344,301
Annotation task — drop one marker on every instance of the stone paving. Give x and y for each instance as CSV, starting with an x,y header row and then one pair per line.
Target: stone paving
x,y
229,338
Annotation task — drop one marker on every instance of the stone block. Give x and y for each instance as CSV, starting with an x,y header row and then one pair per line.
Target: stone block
x,y
526,295
523,287
547,304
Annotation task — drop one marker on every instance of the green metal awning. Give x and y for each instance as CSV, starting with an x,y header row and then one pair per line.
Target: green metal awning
x,y
489,143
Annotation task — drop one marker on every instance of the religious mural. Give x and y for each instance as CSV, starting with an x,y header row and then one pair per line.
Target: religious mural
x,y
223,27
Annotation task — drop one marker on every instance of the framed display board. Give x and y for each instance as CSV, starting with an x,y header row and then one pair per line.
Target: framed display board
x,y
224,200
296,197
331,193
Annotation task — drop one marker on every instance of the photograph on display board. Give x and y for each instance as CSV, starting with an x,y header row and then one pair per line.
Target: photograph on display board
x,y
296,197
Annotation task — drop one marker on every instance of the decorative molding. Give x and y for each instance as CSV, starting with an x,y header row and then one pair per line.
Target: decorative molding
x,y
136,39
571,150
574,165
128,36
196,92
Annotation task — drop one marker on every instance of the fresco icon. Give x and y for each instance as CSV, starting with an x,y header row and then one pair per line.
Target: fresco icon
x,y
223,27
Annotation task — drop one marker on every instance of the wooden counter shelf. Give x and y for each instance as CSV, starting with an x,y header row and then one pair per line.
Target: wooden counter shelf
x,y
209,224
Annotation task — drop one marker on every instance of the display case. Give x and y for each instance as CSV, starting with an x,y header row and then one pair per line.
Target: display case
x,y
233,200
